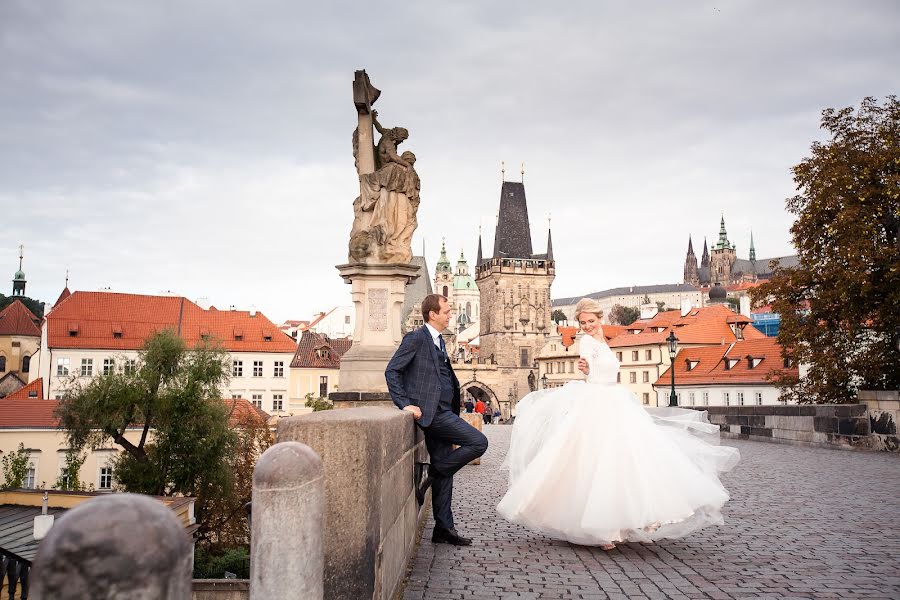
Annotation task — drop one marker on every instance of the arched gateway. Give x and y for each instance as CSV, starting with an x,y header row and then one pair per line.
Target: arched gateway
x,y
479,391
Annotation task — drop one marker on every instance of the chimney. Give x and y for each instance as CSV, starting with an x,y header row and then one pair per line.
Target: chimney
x,y
648,311
745,306
253,311
685,307
203,303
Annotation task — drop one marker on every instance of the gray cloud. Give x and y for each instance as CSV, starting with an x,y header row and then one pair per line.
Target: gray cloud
x,y
204,147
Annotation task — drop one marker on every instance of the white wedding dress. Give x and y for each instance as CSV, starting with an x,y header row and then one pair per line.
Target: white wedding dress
x,y
588,464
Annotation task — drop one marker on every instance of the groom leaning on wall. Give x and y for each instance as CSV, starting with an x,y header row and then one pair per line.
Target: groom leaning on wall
x,y
421,381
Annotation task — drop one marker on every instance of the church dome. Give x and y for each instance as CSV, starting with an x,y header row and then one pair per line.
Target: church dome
x,y
20,275
717,294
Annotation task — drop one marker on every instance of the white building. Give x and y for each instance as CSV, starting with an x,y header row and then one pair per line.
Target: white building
x,y
460,289
674,296
89,333
335,323
734,374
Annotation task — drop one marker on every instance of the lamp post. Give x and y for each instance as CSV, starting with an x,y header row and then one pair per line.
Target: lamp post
x,y
672,341
544,381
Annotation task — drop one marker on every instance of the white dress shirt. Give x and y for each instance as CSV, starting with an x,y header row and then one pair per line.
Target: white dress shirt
x,y
435,334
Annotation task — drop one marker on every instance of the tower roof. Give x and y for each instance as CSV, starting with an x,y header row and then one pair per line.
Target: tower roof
x,y
690,246
549,244
752,248
443,264
723,243
513,236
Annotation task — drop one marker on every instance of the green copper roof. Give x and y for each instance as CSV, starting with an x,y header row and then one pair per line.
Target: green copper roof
x,y
443,264
19,276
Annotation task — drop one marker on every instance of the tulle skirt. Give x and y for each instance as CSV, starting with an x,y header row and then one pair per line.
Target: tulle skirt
x,y
590,465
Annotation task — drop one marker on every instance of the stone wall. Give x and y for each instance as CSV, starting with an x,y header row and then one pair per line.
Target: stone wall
x,y
371,514
848,426
220,589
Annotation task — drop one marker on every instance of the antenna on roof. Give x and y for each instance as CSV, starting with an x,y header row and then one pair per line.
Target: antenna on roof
x,y
67,278
523,172
502,171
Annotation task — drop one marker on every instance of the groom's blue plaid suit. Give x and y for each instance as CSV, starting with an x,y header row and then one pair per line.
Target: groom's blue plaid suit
x,y
417,375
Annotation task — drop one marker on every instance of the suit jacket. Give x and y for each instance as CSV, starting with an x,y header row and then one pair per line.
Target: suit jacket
x,y
413,375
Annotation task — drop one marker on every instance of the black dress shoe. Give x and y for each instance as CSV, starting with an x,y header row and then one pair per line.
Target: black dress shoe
x,y
449,536
423,480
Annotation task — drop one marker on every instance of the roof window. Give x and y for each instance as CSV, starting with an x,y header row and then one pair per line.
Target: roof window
x,y
691,364
730,363
753,361
73,329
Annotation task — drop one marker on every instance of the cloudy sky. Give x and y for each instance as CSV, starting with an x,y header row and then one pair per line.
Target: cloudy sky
x,y
203,147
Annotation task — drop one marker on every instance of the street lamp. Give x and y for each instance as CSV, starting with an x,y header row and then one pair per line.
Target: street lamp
x,y
544,381
672,341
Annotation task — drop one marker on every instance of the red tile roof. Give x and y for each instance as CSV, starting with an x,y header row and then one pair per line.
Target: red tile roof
x,y
313,346
36,387
62,296
16,319
710,367
241,409
105,320
707,325
18,411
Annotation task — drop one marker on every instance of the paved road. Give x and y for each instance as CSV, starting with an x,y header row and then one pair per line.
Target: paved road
x,y
802,523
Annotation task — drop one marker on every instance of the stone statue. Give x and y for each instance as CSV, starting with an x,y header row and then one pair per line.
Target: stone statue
x,y
384,214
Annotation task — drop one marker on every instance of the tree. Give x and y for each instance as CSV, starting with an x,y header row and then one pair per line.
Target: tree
x,y
623,315
172,404
15,467
841,306
69,476
558,316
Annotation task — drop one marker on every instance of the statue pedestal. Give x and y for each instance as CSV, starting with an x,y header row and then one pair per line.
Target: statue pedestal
x,y
378,293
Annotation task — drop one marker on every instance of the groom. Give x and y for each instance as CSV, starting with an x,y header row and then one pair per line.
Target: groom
x,y
422,382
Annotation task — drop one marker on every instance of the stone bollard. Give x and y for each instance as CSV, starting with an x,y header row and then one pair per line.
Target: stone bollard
x,y
286,541
122,547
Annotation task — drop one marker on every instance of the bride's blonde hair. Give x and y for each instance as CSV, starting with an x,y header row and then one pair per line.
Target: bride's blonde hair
x,y
588,305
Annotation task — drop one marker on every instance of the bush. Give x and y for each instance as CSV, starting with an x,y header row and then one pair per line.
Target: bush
x,y
318,404
214,566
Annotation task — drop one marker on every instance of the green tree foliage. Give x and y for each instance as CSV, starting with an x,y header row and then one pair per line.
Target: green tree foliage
x,y
69,478
840,308
318,404
15,467
558,316
623,315
173,405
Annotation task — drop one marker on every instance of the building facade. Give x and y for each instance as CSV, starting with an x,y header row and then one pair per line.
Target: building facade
x,y
735,374
643,353
315,367
20,339
675,295
90,333
514,308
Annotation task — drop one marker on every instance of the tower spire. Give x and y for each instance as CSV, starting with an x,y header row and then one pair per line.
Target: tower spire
x,y
752,248
478,260
19,277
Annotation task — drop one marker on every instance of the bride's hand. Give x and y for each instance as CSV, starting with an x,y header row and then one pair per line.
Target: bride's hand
x,y
583,366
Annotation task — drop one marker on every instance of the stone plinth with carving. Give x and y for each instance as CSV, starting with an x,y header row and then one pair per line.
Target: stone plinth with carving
x,y
378,292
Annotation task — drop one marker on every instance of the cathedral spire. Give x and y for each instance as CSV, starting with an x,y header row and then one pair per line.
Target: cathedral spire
x,y
443,265
479,260
723,242
690,245
752,248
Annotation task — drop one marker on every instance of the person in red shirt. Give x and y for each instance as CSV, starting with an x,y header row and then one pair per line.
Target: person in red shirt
x,y
480,407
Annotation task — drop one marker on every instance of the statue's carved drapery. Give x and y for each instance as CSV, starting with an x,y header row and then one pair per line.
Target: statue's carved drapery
x,y
384,214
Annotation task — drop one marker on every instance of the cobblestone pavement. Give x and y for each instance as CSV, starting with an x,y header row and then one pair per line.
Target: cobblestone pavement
x,y
802,523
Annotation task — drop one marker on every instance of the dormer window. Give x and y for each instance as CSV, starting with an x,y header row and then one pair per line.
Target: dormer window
x,y
73,329
787,363
753,361
117,331
204,334
238,334
730,362
691,364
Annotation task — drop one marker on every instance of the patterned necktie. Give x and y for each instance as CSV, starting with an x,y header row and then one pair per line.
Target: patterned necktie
x,y
443,347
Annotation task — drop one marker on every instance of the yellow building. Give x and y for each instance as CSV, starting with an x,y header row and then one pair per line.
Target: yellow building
x,y
315,368
20,339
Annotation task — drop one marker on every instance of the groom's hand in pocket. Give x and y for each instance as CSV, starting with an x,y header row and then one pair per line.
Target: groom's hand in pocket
x,y
415,410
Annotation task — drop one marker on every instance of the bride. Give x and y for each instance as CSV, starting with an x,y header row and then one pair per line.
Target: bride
x,y
589,465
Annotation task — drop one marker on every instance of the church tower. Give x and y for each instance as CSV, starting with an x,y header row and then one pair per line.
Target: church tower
x,y
722,260
704,265
19,278
691,272
515,296
443,274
